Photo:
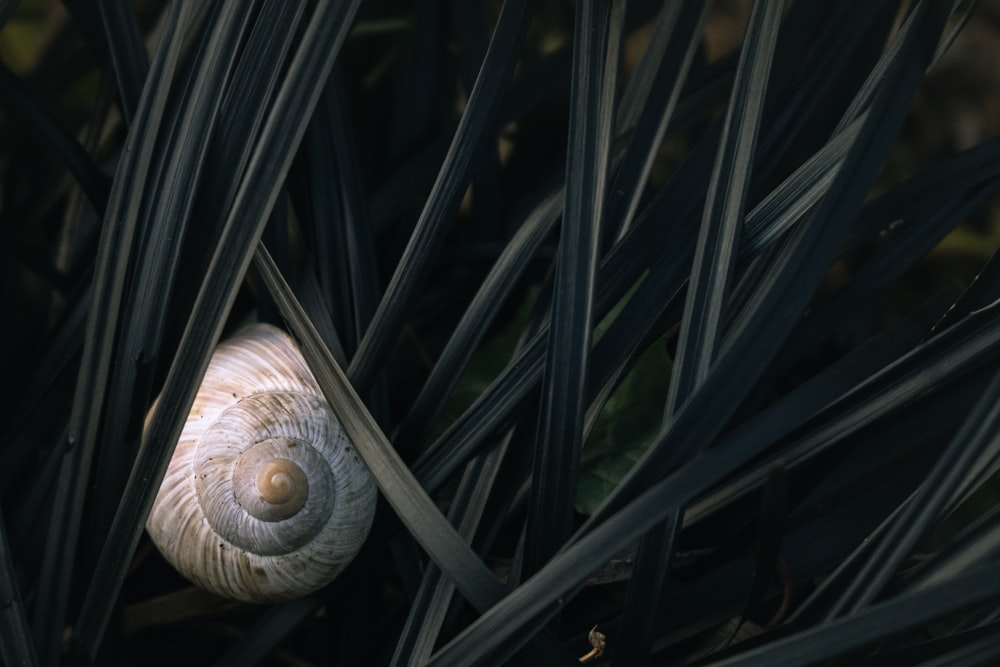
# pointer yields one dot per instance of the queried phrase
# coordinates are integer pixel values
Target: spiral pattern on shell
(265, 498)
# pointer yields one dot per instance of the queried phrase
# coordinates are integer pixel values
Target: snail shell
(265, 498)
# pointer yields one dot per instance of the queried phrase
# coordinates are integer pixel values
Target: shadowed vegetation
(680, 320)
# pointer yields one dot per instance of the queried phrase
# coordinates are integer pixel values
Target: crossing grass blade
(597, 37)
(919, 515)
(426, 524)
(804, 258)
(19, 100)
(470, 330)
(710, 280)
(850, 634)
(17, 647)
(116, 248)
(128, 53)
(477, 121)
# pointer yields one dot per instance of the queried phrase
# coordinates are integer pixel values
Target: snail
(265, 498)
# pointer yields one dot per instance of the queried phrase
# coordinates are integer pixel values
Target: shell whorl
(265, 498)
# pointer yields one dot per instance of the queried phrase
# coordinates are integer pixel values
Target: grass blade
(16, 647)
(709, 284)
(128, 53)
(977, 433)
(19, 100)
(407, 498)
(876, 624)
(112, 266)
(557, 447)
(477, 121)
(789, 286)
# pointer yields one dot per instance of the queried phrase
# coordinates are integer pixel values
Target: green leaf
(627, 425)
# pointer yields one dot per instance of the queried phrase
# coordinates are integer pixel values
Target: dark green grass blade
(326, 221)
(597, 38)
(647, 586)
(977, 433)
(622, 266)
(921, 425)
(635, 96)
(482, 310)
(978, 543)
(419, 91)
(984, 290)
(900, 383)
(716, 249)
(112, 266)
(272, 156)
(477, 123)
(709, 283)
(822, 533)
(480, 478)
(836, 45)
(802, 263)
(319, 314)
(16, 647)
(545, 593)
(782, 418)
(128, 53)
(648, 313)
(874, 625)
(427, 613)
(61, 352)
(764, 224)
(618, 272)
(548, 589)
(19, 100)
(948, 357)
(930, 188)
(464, 437)
(793, 410)
(810, 549)
(470, 23)
(905, 247)
(257, 77)
(350, 280)
(535, 84)
(682, 39)
(913, 226)
(962, 16)
(417, 510)
(363, 279)
(276, 235)
(179, 161)
(984, 651)
(770, 534)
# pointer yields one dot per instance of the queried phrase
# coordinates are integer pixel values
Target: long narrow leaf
(116, 248)
(477, 121)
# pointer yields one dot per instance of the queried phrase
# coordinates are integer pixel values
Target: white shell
(265, 498)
